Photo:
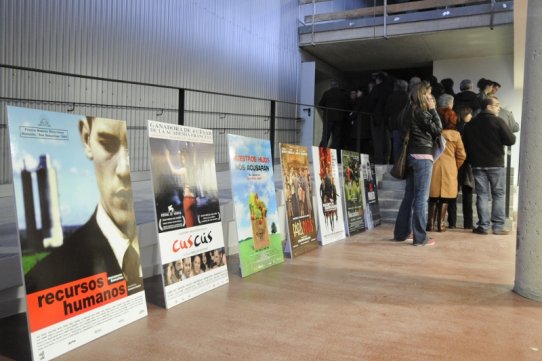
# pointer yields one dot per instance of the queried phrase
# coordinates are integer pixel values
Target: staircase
(390, 195)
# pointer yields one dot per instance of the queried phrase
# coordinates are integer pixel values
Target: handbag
(399, 169)
(465, 175)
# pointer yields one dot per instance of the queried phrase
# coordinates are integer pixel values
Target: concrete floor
(364, 298)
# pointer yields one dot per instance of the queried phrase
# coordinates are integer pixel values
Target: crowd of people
(473, 127)
(187, 267)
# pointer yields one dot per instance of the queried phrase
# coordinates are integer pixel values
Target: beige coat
(444, 178)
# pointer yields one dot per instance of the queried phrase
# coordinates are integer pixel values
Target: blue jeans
(412, 216)
(490, 180)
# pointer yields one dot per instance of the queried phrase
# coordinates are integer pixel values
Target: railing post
(508, 173)
(180, 119)
(272, 129)
(358, 133)
(385, 17)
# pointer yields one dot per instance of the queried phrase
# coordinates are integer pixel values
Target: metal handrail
(389, 9)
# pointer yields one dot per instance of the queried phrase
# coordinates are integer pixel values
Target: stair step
(391, 192)
(388, 176)
(392, 204)
(392, 184)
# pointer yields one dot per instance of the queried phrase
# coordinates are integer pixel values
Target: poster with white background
(188, 218)
(327, 186)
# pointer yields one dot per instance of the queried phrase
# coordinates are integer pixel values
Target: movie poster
(327, 185)
(76, 226)
(372, 209)
(188, 219)
(353, 191)
(254, 198)
(294, 161)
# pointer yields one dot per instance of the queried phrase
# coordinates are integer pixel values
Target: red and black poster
(188, 218)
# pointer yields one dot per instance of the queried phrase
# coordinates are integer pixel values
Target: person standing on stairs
(379, 126)
(444, 186)
(335, 105)
(465, 176)
(485, 138)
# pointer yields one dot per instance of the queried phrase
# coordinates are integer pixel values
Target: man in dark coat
(394, 105)
(336, 104)
(352, 127)
(485, 137)
(466, 97)
(379, 130)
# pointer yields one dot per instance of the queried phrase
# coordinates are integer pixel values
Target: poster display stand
(353, 191)
(254, 198)
(76, 228)
(372, 208)
(329, 195)
(188, 218)
(294, 161)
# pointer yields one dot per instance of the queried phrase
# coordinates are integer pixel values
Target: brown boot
(431, 216)
(441, 219)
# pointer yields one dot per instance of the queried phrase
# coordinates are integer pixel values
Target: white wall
(499, 68)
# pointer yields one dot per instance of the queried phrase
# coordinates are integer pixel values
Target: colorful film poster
(76, 227)
(372, 209)
(294, 161)
(254, 198)
(329, 195)
(353, 191)
(188, 219)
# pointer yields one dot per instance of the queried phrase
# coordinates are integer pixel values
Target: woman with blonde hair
(425, 127)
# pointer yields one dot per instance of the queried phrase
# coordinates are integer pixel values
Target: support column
(180, 119)
(528, 281)
(272, 115)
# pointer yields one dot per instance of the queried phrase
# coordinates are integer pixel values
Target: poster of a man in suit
(76, 223)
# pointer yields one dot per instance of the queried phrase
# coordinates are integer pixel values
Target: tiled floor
(364, 298)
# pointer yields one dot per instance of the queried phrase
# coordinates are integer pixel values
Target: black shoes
(479, 230)
(499, 232)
